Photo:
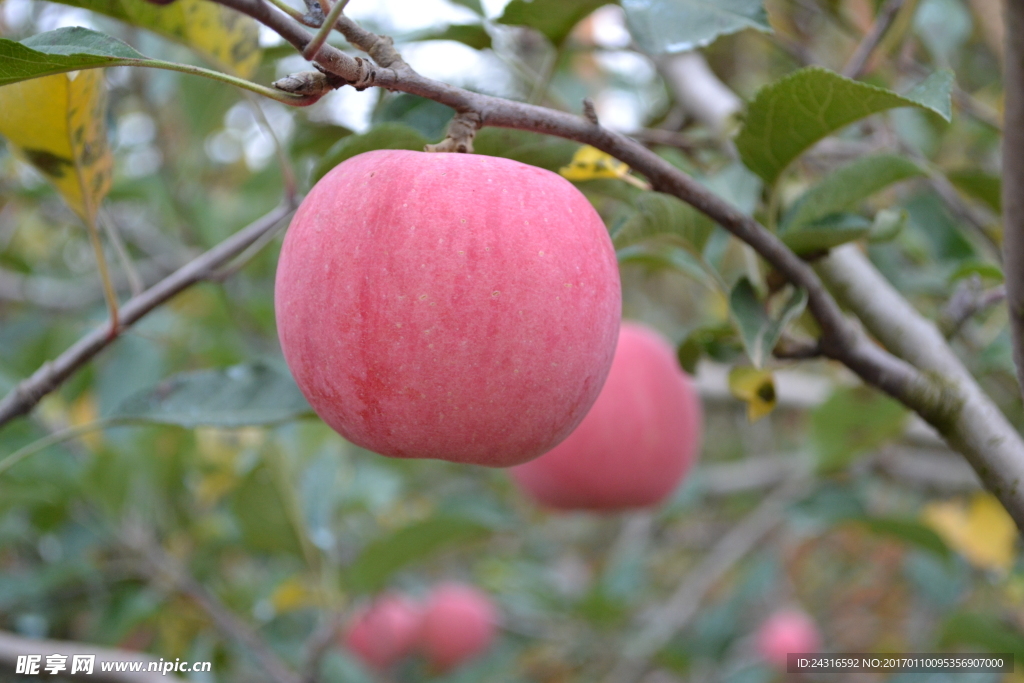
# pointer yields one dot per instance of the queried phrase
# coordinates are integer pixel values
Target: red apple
(384, 632)
(450, 306)
(459, 623)
(636, 443)
(787, 631)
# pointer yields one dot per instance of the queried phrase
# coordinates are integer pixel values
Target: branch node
(461, 132)
(309, 83)
(383, 52)
(315, 14)
(589, 112)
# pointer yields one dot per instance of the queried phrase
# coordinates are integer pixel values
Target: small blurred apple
(459, 623)
(787, 631)
(384, 632)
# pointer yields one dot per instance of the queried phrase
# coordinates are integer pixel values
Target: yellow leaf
(212, 486)
(982, 531)
(756, 387)
(590, 163)
(223, 36)
(83, 412)
(57, 124)
(292, 595)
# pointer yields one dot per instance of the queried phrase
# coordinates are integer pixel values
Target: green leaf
(384, 136)
(223, 36)
(427, 117)
(735, 184)
(670, 26)
(251, 394)
(60, 51)
(554, 18)
(473, 5)
(759, 331)
(848, 186)
(986, 271)
(982, 630)
(262, 516)
(663, 257)
(888, 224)
(985, 187)
(535, 149)
(854, 421)
(791, 114)
(824, 234)
(908, 530)
(662, 214)
(473, 35)
(383, 557)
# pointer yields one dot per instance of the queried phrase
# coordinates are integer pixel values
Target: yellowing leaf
(756, 387)
(57, 124)
(223, 36)
(83, 411)
(292, 595)
(590, 163)
(982, 531)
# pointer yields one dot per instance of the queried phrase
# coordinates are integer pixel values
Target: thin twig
(968, 299)
(321, 35)
(319, 644)
(114, 236)
(662, 625)
(859, 59)
(109, 293)
(288, 180)
(52, 374)
(161, 566)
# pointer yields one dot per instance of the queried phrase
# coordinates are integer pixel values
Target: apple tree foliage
(190, 429)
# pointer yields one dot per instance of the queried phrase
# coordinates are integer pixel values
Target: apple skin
(786, 631)
(384, 632)
(459, 623)
(452, 306)
(635, 445)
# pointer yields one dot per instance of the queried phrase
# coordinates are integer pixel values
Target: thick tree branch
(29, 392)
(970, 421)
(1013, 178)
(12, 646)
(961, 412)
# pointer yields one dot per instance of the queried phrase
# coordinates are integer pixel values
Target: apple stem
(461, 132)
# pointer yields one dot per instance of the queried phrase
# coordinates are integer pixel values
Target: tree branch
(12, 646)
(675, 614)
(51, 375)
(961, 412)
(1013, 178)
(859, 59)
(161, 566)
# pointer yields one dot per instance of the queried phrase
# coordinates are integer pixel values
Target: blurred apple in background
(384, 632)
(459, 623)
(787, 631)
(635, 445)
